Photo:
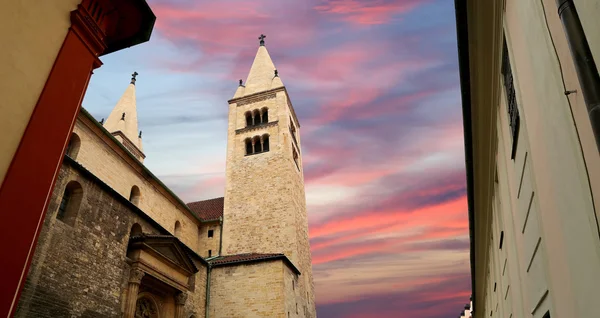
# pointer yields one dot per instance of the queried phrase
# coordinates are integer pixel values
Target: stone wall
(206, 243)
(79, 268)
(99, 154)
(265, 203)
(248, 291)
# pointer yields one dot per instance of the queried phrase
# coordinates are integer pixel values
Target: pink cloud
(366, 11)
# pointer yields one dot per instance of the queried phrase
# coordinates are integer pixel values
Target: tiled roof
(242, 258)
(250, 257)
(208, 209)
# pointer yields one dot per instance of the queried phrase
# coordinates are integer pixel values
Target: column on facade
(135, 279)
(180, 300)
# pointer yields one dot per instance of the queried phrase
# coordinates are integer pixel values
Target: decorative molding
(136, 275)
(181, 298)
(257, 127)
(129, 145)
(88, 31)
(256, 97)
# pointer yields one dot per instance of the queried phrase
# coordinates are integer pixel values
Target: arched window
(264, 116)
(249, 146)
(265, 142)
(248, 119)
(255, 117)
(177, 229)
(134, 195)
(136, 229)
(257, 145)
(69, 205)
(73, 146)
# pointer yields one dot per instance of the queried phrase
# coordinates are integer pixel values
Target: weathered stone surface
(81, 270)
(265, 203)
(247, 291)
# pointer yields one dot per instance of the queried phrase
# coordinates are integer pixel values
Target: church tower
(265, 203)
(122, 122)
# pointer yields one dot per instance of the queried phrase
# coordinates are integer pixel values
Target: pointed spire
(263, 75)
(123, 118)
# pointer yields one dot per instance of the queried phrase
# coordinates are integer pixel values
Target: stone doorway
(146, 308)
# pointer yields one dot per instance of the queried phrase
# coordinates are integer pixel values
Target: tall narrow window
(293, 132)
(73, 146)
(255, 117)
(210, 233)
(295, 156)
(265, 143)
(177, 230)
(209, 253)
(249, 148)
(511, 100)
(264, 116)
(134, 195)
(70, 203)
(257, 144)
(248, 119)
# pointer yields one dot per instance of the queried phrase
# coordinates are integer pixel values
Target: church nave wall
(107, 161)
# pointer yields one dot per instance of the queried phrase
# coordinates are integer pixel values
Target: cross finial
(133, 77)
(262, 39)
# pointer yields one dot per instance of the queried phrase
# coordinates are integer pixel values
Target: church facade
(117, 242)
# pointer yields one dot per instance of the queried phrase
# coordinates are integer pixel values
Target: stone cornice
(479, 34)
(264, 95)
(257, 127)
(129, 145)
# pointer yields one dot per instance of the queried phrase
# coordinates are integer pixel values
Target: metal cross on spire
(262, 39)
(133, 77)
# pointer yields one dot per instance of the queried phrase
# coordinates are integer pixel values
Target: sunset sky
(375, 87)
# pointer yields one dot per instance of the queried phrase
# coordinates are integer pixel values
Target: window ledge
(256, 127)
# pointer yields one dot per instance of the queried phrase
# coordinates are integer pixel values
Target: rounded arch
(136, 229)
(73, 146)
(177, 229)
(255, 117)
(70, 203)
(248, 143)
(135, 195)
(264, 115)
(256, 144)
(146, 306)
(265, 142)
(248, 116)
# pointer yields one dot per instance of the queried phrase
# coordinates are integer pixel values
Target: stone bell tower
(265, 203)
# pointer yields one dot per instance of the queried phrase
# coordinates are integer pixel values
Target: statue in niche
(145, 308)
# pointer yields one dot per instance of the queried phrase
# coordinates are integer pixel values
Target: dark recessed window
(70, 202)
(511, 100)
(257, 144)
(501, 238)
(209, 253)
(210, 233)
